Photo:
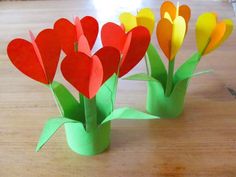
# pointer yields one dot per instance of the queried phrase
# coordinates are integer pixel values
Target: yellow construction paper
(145, 17)
(178, 34)
(204, 27)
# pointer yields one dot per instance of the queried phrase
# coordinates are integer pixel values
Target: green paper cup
(88, 143)
(160, 105)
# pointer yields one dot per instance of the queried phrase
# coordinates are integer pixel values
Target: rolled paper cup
(88, 143)
(160, 105)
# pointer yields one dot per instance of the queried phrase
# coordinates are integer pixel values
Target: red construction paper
(113, 35)
(133, 45)
(83, 45)
(38, 61)
(69, 33)
(110, 58)
(83, 72)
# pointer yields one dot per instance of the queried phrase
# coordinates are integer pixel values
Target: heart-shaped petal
(134, 49)
(110, 58)
(133, 45)
(216, 37)
(113, 35)
(145, 17)
(169, 11)
(205, 25)
(83, 72)
(23, 55)
(178, 34)
(128, 20)
(164, 36)
(168, 7)
(67, 32)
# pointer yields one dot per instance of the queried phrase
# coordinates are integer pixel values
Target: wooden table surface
(200, 143)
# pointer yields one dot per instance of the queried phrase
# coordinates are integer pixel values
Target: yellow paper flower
(211, 33)
(172, 27)
(145, 17)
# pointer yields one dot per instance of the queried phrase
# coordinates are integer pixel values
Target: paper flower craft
(94, 75)
(166, 89)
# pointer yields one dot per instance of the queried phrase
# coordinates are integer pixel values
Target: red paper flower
(87, 72)
(132, 45)
(69, 34)
(37, 59)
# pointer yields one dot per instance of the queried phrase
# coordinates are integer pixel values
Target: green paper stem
(90, 113)
(169, 83)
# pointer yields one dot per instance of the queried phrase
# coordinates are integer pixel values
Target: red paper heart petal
(67, 34)
(49, 48)
(83, 72)
(113, 35)
(90, 28)
(134, 49)
(110, 58)
(83, 45)
(23, 56)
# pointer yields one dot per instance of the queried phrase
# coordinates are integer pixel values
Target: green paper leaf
(140, 77)
(158, 69)
(187, 68)
(50, 128)
(128, 113)
(70, 107)
(105, 98)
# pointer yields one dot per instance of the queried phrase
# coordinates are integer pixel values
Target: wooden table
(201, 143)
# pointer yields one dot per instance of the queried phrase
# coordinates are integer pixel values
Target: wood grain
(201, 143)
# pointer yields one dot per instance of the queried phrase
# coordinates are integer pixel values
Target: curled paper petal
(38, 59)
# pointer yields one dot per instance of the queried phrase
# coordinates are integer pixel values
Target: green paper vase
(88, 143)
(162, 106)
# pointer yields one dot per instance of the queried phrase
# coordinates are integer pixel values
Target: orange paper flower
(211, 33)
(172, 27)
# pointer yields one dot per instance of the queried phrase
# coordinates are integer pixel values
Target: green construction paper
(69, 106)
(158, 69)
(187, 68)
(140, 77)
(90, 110)
(87, 143)
(160, 105)
(128, 113)
(166, 107)
(105, 98)
(51, 126)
